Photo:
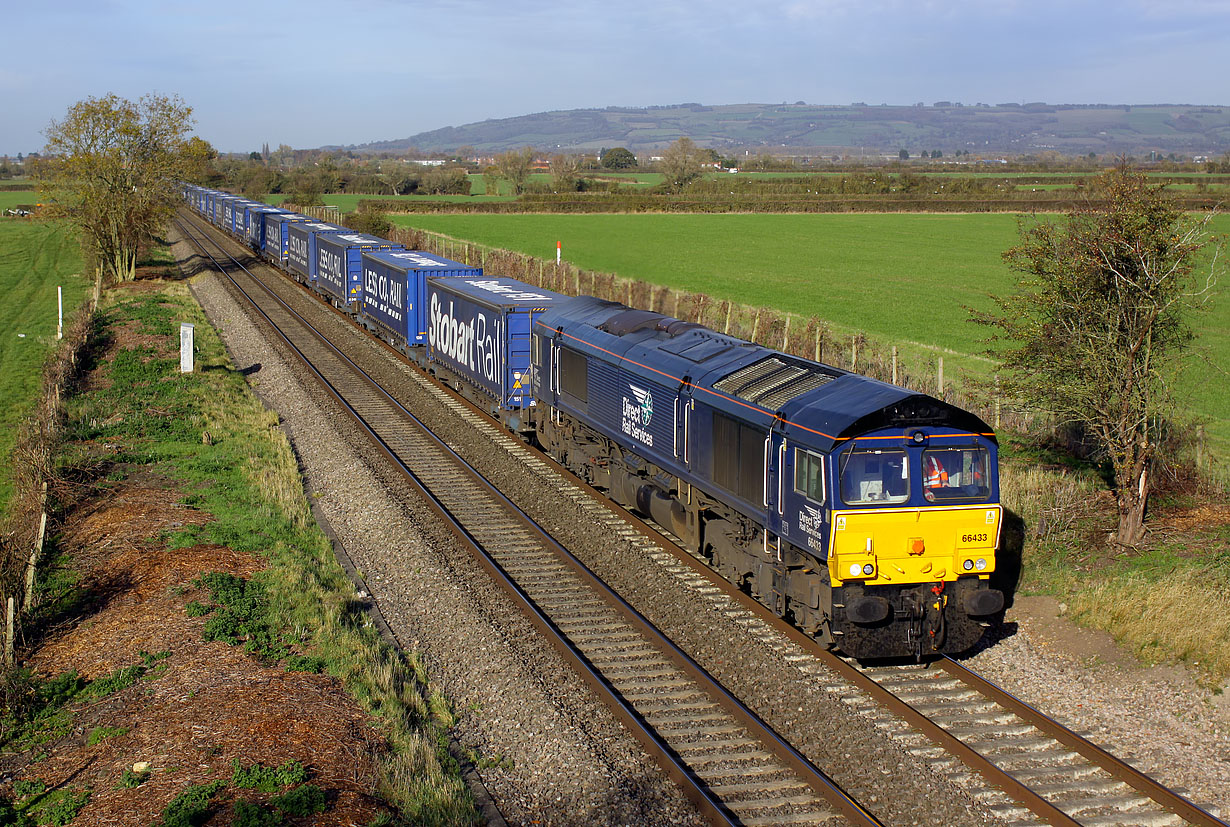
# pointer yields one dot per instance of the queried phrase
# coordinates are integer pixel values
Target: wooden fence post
(853, 352)
(894, 364)
(786, 335)
(940, 379)
(997, 404)
(28, 598)
(10, 631)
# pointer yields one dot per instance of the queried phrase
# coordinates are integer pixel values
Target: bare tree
(114, 171)
(1093, 333)
(514, 167)
(564, 171)
(681, 163)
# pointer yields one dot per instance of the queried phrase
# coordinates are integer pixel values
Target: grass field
(903, 279)
(35, 257)
(8, 200)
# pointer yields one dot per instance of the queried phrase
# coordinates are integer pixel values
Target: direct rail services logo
(637, 415)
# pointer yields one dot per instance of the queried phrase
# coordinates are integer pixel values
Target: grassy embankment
(35, 258)
(905, 279)
(211, 441)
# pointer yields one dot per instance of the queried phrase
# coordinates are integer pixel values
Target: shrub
(192, 807)
(131, 780)
(301, 801)
(250, 814)
(267, 779)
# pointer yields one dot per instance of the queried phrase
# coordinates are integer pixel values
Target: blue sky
(309, 73)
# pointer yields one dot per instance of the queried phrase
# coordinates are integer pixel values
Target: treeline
(730, 202)
(305, 185)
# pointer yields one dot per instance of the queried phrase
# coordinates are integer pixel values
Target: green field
(8, 200)
(35, 257)
(903, 279)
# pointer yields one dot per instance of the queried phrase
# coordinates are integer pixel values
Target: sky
(309, 73)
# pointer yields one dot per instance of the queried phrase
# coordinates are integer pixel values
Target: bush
(267, 779)
(192, 807)
(249, 814)
(372, 223)
(301, 801)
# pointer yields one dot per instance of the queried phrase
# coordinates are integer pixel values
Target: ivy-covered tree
(113, 169)
(618, 158)
(1094, 331)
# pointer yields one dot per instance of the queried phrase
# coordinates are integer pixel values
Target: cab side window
(809, 475)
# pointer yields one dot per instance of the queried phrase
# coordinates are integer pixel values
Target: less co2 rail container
(339, 272)
(277, 237)
(257, 226)
(395, 292)
(301, 247)
(478, 329)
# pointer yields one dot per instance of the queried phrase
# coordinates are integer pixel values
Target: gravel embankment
(546, 751)
(553, 756)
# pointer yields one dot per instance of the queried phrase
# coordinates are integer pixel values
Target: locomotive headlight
(981, 564)
(855, 569)
(869, 569)
(918, 437)
(968, 565)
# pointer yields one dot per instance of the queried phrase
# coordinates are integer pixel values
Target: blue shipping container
(480, 328)
(395, 290)
(256, 225)
(224, 212)
(277, 239)
(301, 246)
(338, 267)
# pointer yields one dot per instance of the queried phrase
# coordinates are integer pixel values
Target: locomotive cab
(912, 539)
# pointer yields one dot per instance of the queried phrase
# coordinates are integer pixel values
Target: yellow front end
(913, 545)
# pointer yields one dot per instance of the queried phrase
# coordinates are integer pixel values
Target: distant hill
(981, 129)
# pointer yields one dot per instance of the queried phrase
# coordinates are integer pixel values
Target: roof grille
(772, 383)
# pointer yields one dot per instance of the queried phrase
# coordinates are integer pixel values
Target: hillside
(858, 128)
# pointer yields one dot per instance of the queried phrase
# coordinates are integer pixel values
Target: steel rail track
(731, 765)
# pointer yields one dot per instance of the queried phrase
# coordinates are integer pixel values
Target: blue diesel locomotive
(866, 514)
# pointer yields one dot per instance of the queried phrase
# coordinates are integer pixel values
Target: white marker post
(60, 318)
(186, 333)
(559, 246)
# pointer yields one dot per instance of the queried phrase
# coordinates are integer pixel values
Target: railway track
(1028, 769)
(733, 767)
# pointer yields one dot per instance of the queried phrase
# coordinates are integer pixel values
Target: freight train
(864, 513)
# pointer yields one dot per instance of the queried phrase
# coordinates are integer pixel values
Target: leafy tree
(1093, 333)
(514, 167)
(904, 154)
(114, 170)
(681, 163)
(618, 158)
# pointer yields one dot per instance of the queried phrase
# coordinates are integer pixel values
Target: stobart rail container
(478, 332)
(338, 267)
(395, 292)
(301, 247)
